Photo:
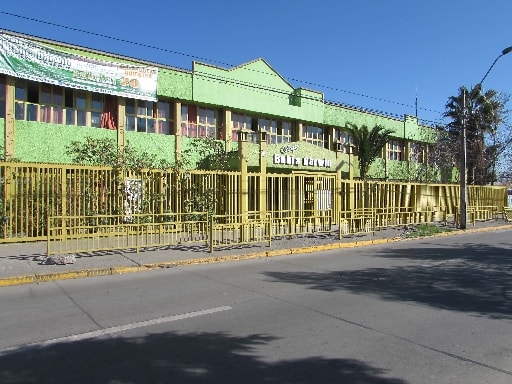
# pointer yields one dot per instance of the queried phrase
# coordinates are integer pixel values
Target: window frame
(315, 135)
(50, 103)
(278, 131)
(395, 150)
(343, 140)
(199, 121)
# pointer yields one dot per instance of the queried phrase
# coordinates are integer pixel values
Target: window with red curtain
(109, 115)
(189, 120)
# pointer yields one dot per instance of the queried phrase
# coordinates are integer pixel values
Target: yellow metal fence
(84, 234)
(31, 194)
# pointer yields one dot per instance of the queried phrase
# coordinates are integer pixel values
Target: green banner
(30, 60)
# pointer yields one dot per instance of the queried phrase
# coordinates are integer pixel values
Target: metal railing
(366, 220)
(84, 234)
(479, 213)
(226, 230)
(287, 223)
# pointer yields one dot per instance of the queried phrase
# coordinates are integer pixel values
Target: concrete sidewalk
(24, 263)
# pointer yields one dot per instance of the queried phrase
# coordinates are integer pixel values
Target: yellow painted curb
(121, 270)
(17, 280)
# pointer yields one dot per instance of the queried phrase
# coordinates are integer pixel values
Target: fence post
(48, 237)
(137, 230)
(210, 231)
(269, 219)
(63, 191)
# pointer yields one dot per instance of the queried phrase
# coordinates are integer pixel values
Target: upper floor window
(50, 103)
(149, 116)
(314, 135)
(418, 152)
(395, 150)
(198, 121)
(76, 107)
(342, 140)
(3, 96)
(240, 122)
(277, 131)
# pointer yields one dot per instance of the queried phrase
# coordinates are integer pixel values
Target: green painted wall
(257, 88)
(339, 116)
(161, 146)
(174, 84)
(46, 143)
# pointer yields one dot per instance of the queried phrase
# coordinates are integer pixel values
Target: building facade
(52, 94)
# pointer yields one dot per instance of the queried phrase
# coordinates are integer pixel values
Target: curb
(41, 278)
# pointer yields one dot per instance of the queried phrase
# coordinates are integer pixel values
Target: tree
(105, 152)
(211, 154)
(369, 144)
(484, 114)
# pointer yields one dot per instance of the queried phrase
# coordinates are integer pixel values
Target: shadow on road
(466, 277)
(176, 358)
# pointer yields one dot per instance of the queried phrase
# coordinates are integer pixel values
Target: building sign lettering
(306, 161)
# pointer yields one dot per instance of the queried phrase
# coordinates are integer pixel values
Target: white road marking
(111, 330)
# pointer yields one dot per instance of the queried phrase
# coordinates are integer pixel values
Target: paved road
(425, 311)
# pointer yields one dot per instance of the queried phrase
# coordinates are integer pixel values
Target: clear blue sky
(377, 54)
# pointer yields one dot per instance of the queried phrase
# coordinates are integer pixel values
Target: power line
(195, 57)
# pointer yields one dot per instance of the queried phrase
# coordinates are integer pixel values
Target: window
(395, 150)
(277, 131)
(198, 121)
(76, 107)
(343, 140)
(148, 116)
(97, 103)
(239, 122)
(207, 123)
(49, 103)
(52, 104)
(314, 135)
(3, 97)
(418, 152)
(26, 94)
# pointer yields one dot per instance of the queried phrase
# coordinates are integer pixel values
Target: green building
(53, 93)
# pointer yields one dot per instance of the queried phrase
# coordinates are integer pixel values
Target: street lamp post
(463, 149)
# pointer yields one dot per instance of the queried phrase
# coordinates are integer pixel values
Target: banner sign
(30, 60)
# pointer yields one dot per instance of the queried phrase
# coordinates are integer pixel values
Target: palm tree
(483, 113)
(369, 144)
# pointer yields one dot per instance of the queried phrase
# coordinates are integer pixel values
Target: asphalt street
(433, 310)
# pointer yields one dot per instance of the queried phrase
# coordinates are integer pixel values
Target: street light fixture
(463, 166)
